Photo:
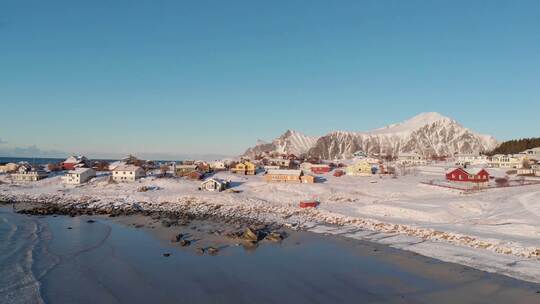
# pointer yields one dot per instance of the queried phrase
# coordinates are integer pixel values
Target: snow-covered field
(497, 230)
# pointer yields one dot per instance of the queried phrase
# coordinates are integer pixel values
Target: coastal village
(469, 170)
(428, 205)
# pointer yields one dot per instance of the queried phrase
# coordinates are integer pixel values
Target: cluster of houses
(521, 160)
(525, 163)
(275, 168)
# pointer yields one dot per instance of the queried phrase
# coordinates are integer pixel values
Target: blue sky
(211, 77)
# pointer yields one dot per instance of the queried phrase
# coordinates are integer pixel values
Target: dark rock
(274, 237)
(177, 238)
(251, 235)
(166, 255)
(69, 228)
(200, 251)
(212, 250)
(90, 221)
(185, 243)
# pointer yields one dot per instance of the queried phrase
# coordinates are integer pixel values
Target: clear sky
(211, 77)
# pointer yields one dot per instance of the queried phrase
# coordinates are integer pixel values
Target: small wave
(18, 284)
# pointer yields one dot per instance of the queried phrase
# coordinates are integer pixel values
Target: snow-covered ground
(497, 230)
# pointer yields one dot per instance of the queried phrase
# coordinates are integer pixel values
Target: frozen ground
(496, 230)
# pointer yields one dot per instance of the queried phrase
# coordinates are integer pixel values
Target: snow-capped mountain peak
(289, 142)
(414, 123)
(428, 134)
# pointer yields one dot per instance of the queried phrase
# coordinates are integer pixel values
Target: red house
(195, 175)
(73, 162)
(468, 175)
(339, 173)
(320, 169)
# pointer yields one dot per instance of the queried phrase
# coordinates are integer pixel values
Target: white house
(471, 159)
(283, 163)
(218, 165)
(127, 173)
(411, 159)
(26, 173)
(532, 153)
(214, 184)
(78, 176)
(505, 161)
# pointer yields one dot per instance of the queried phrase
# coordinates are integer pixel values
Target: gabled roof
(127, 168)
(75, 159)
(216, 180)
(285, 172)
(475, 171)
(79, 170)
(471, 171)
(319, 166)
(186, 167)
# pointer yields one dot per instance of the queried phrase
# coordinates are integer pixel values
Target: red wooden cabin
(468, 175)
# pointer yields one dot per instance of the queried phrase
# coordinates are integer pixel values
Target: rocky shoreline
(247, 232)
(252, 213)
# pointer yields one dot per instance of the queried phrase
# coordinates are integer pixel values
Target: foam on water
(20, 238)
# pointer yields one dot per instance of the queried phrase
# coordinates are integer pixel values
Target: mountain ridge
(429, 134)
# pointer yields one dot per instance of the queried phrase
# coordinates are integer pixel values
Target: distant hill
(516, 145)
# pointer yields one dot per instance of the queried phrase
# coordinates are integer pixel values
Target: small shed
(214, 184)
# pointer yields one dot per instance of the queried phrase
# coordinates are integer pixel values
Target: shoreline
(144, 254)
(231, 207)
(261, 214)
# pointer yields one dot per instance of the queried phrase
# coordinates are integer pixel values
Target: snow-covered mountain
(427, 134)
(290, 142)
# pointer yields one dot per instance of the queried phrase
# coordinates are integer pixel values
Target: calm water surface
(42, 261)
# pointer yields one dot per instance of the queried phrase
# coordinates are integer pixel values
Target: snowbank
(496, 230)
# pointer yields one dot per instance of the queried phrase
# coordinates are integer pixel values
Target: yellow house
(360, 168)
(245, 167)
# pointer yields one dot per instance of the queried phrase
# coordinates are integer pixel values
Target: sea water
(46, 259)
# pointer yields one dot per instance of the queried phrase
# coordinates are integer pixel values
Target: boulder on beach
(212, 250)
(251, 235)
(274, 237)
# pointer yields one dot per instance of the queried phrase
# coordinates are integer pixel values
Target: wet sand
(111, 261)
